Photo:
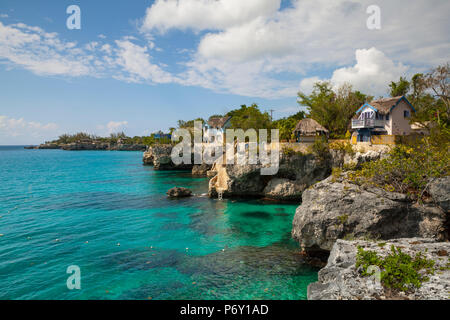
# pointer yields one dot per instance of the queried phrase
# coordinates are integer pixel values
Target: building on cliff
(388, 116)
(216, 126)
(307, 130)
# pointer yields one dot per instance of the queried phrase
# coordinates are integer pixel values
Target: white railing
(367, 123)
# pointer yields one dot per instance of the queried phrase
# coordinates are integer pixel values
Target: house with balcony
(388, 116)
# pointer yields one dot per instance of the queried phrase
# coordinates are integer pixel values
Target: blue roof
(366, 105)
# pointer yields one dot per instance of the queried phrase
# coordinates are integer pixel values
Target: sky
(139, 66)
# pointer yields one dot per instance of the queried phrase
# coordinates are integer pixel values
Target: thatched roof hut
(218, 122)
(309, 127)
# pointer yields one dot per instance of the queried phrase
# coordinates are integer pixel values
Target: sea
(98, 225)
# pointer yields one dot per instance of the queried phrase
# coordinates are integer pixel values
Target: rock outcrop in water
(336, 209)
(340, 280)
(148, 157)
(296, 173)
(179, 192)
(162, 159)
(93, 146)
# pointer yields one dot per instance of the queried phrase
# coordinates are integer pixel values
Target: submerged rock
(340, 280)
(336, 209)
(178, 192)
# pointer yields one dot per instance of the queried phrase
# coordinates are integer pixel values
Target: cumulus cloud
(24, 131)
(135, 60)
(205, 14)
(44, 53)
(319, 34)
(251, 48)
(41, 52)
(112, 127)
(371, 73)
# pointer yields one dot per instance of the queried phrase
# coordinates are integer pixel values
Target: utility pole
(271, 115)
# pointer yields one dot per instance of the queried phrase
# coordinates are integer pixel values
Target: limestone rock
(440, 191)
(333, 210)
(340, 280)
(295, 174)
(201, 170)
(178, 192)
(283, 189)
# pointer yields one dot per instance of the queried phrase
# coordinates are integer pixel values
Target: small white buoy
(223, 250)
(118, 244)
(1, 234)
(187, 249)
(87, 242)
(56, 240)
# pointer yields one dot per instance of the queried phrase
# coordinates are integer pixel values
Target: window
(387, 117)
(406, 114)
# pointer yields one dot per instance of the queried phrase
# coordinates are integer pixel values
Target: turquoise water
(62, 208)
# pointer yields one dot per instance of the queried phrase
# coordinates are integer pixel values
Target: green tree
(399, 88)
(250, 118)
(189, 124)
(333, 108)
(287, 125)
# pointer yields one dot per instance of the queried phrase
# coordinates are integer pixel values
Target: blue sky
(139, 66)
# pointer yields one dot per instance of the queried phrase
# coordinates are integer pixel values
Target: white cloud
(22, 131)
(251, 47)
(205, 14)
(307, 84)
(3, 15)
(40, 52)
(116, 126)
(318, 34)
(372, 72)
(135, 60)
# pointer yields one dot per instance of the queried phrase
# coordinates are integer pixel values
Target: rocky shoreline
(84, 146)
(341, 280)
(336, 216)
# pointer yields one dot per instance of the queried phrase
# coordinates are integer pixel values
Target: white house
(388, 116)
(216, 126)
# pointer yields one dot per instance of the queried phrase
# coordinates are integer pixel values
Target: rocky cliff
(337, 209)
(160, 157)
(296, 173)
(341, 280)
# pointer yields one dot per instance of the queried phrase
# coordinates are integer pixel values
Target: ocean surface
(108, 214)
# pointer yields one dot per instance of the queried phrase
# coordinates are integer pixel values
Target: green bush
(343, 146)
(320, 148)
(399, 271)
(409, 167)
